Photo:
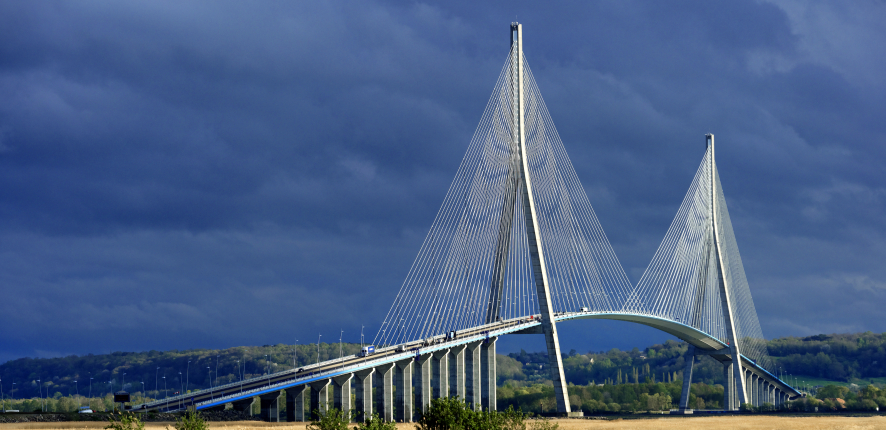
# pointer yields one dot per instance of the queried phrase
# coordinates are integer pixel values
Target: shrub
(191, 420)
(333, 419)
(449, 413)
(452, 413)
(868, 405)
(125, 421)
(375, 422)
(544, 424)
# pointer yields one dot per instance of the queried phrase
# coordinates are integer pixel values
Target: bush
(544, 424)
(191, 420)
(333, 419)
(451, 413)
(125, 421)
(375, 422)
(868, 405)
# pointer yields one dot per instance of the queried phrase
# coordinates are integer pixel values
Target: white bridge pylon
(696, 278)
(516, 234)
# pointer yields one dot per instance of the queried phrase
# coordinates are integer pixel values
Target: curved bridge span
(516, 248)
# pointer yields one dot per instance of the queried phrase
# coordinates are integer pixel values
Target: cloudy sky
(178, 175)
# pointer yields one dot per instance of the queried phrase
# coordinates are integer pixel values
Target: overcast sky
(178, 175)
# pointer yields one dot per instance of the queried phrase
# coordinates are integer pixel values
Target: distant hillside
(834, 357)
(109, 372)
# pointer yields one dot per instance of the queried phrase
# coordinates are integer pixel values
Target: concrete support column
(728, 388)
(748, 386)
(687, 379)
(440, 377)
(270, 406)
(295, 403)
(342, 395)
(457, 372)
(761, 390)
(473, 381)
(490, 374)
(363, 394)
(248, 405)
(319, 397)
(423, 365)
(384, 391)
(403, 380)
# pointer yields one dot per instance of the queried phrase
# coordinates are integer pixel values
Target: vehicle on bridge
(367, 351)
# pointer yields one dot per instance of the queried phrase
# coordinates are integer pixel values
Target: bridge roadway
(267, 384)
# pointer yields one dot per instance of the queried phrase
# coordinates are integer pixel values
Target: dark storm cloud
(182, 175)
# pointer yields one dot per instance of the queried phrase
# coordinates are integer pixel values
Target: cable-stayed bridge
(517, 249)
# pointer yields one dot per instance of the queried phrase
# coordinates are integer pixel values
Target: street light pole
(77, 387)
(156, 386)
(188, 377)
(209, 372)
(318, 348)
(165, 393)
(240, 375)
(216, 370)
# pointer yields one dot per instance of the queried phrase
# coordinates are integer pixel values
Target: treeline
(836, 356)
(596, 398)
(832, 356)
(163, 373)
(657, 363)
(63, 404)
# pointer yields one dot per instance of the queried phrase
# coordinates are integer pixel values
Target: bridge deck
(246, 389)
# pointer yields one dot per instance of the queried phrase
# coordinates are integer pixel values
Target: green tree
(191, 420)
(125, 421)
(332, 419)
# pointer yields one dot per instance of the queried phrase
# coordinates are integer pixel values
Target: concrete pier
(342, 395)
(384, 391)
(270, 406)
(363, 394)
(295, 403)
(473, 381)
(319, 397)
(489, 375)
(440, 376)
(457, 372)
(403, 381)
(423, 383)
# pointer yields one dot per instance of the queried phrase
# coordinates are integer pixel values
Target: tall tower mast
(536, 251)
(726, 302)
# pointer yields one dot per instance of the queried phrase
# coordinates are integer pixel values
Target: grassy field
(676, 423)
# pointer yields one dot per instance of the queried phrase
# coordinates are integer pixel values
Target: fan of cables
(474, 266)
(682, 283)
